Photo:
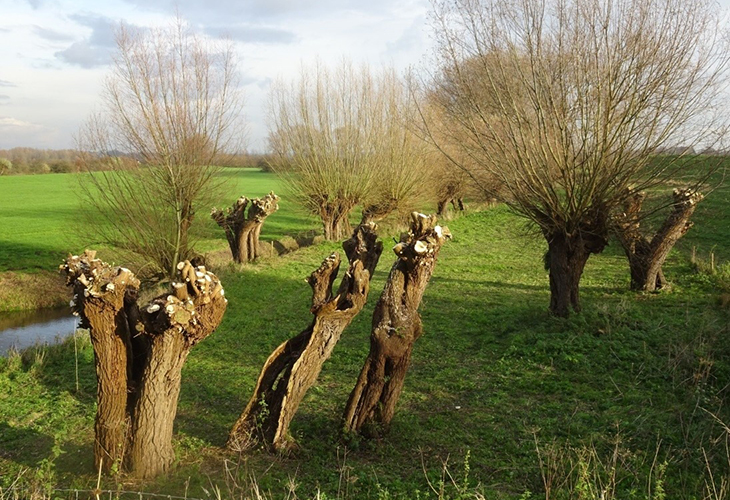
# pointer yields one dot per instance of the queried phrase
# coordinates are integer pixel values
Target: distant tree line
(22, 160)
(37, 161)
(245, 160)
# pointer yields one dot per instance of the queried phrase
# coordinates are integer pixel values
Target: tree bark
(294, 366)
(139, 356)
(335, 219)
(647, 255)
(396, 327)
(566, 259)
(99, 293)
(457, 203)
(243, 229)
(443, 204)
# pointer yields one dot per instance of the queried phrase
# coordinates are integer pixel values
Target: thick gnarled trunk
(396, 327)
(566, 259)
(99, 299)
(244, 228)
(335, 219)
(151, 451)
(139, 356)
(294, 366)
(647, 255)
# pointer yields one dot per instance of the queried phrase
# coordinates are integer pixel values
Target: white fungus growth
(420, 247)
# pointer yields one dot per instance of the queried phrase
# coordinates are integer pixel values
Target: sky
(56, 53)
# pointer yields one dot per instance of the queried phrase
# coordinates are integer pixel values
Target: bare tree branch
(568, 102)
(170, 104)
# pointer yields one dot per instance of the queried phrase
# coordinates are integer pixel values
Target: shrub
(5, 166)
(40, 168)
(62, 167)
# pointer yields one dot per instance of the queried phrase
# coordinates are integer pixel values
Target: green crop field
(514, 402)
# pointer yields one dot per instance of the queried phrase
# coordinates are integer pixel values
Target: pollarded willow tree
(339, 139)
(647, 252)
(293, 367)
(451, 175)
(569, 102)
(5, 166)
(243, 227)
(170, 102)
(139, 353)
(396, 327)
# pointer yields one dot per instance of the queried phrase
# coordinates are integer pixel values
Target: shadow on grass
(75, 457)
(23, 445)
(23, 257)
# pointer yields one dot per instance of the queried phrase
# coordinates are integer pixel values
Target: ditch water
(22, 329)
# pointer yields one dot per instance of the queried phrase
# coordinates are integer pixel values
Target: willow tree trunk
(647, 255)
(294, 366)
(335, 219)
(449, 192)
(139, 355)
(566, 259)
(396, 327)
(443, 204)
(243, 229)
(99, 293)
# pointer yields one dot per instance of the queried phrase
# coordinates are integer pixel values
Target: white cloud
(52, 35)
(261, 10)
(7, 123)
(96, 49)
(55, 52)
(252, 34)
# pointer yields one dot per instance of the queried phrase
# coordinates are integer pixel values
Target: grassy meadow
(42, 216)
(43, 220)
(502, 400)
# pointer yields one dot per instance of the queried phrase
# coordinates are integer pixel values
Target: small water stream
(23, 329)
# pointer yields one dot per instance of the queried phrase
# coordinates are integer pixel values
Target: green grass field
(634, 387)
(42, 217)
